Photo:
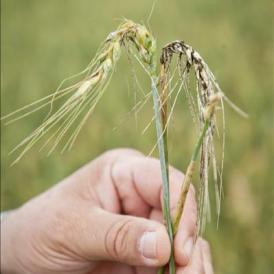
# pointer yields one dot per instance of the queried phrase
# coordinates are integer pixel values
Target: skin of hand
(105, 218)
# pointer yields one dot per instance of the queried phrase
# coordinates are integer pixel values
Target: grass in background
(45, 41)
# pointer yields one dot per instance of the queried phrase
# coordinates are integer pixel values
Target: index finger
(141, 176)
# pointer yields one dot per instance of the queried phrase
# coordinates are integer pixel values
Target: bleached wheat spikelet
(86, 92)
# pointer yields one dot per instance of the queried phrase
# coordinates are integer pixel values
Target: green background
(43, 42)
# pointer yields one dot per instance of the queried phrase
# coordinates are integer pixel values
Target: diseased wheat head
(203, 107)
(81, 98)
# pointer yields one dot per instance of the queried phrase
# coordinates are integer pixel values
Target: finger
(156, 215)
(184, 239)
(126, 239)
(196, 263)
(141, 177)
(207, 261)
(95, 183)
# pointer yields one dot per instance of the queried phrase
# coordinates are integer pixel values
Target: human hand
(104, 218)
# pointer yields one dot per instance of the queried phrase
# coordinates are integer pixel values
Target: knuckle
(116, 240)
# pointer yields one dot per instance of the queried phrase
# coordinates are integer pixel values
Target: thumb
(127, 239)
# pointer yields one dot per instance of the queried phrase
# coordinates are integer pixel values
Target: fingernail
(188, 246)
(148, 245)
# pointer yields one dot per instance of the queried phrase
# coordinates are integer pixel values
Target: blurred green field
(43, 42)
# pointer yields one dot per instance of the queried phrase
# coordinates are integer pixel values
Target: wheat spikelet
(86, 93)
(208, 95)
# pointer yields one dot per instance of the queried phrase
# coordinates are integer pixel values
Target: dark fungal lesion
(207, 88)
(192, 59)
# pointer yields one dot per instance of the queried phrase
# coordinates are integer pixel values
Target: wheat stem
(208, 114)
(164, 168)
(187, 178)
